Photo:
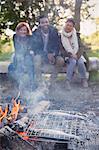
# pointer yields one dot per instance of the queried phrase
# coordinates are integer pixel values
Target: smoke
(33, 87)
(42, 90)
(41, 93)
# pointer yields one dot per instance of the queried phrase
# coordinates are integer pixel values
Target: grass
(94, 76)
(93, 53)
(6, 50)
(5, 56)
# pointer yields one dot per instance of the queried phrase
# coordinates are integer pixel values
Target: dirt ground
(76, 99)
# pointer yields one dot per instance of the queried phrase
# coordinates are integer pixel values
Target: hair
(41, 17)
(24, 24)
(71, 20)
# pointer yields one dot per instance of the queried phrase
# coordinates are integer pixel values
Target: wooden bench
(93, 65)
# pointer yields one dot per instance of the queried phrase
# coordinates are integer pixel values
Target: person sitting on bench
(69, 42)
(22, 67)
(46, 47)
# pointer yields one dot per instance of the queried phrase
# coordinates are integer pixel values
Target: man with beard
(46, 44)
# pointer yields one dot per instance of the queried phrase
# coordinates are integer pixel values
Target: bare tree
(77, 14)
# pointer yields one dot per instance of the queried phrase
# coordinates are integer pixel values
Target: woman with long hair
(23, 60)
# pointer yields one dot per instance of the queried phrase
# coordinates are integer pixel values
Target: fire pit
(75, 129)
(44, 129)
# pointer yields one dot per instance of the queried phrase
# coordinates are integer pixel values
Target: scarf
(70, 41)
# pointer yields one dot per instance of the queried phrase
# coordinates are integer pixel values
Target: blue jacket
(52, 45)
(23, 58)
(23, 61)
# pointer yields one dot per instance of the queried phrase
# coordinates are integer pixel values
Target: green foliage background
(14, 11)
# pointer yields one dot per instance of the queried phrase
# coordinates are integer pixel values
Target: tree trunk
(77, 15)
(46, 9)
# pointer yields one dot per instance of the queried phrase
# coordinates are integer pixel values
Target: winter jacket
(23, 61)
(52, 45)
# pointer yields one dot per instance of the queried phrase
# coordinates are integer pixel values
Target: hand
(51, 58)
(69, 54)
(74, 56)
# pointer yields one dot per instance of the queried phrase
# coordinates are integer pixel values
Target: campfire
(71, 130)
(8, 115)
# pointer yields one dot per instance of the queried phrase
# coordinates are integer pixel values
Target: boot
(84, 83)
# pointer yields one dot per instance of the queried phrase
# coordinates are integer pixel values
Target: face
(44, 24)
(22, 31)
(69, 27)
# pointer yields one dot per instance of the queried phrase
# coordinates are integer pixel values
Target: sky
(88, 26)
(96, 9)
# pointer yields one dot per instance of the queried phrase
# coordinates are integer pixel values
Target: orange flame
(15, 110)
(1, 111)
(14, 113)
(3, 114)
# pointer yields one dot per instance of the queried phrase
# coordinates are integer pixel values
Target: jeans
(72, 63)
(40, 65)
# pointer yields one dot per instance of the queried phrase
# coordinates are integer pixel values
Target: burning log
(12, 141)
